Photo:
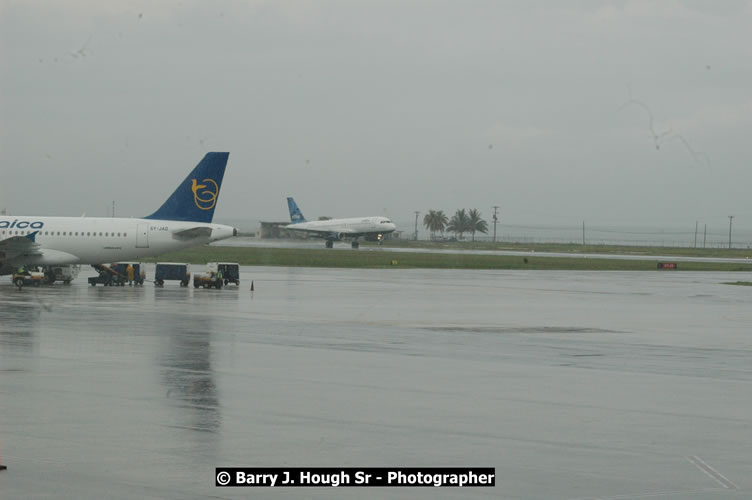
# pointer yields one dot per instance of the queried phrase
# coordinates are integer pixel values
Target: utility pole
(113, 209)
(705, 236)
(731, 217)
(696, 223)
(416, 224)
(496, 220)
(583, 233)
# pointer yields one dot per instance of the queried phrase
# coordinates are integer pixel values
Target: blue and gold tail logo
(195, 198)
(205, 194)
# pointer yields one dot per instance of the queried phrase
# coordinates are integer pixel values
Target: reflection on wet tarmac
(18, 315)
(186, 369)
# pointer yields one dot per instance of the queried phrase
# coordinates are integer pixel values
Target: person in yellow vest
(130, 271)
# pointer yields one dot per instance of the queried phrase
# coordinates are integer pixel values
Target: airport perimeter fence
(741, 238)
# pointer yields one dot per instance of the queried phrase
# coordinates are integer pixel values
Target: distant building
(277, 230)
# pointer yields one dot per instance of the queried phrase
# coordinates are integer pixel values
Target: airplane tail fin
(295, 214)
(195, 198)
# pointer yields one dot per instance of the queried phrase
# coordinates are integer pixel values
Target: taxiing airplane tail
(195, 198)
(295, 214)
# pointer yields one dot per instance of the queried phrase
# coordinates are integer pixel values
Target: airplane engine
(341, 236)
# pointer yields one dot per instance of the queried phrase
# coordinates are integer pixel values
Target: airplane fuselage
(346, 228)
(97, 240)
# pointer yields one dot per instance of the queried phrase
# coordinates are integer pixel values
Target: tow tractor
(210, 280)
(229, 271)
(218, 274)
(25, 278)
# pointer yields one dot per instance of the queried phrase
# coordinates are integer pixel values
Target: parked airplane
(370, 228)
(183, 221)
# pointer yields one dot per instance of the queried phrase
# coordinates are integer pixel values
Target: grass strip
(306, 257)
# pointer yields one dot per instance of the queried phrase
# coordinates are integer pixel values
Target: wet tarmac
(572, 384)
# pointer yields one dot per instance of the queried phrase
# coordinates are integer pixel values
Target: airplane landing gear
(355, 244)
(329, 244)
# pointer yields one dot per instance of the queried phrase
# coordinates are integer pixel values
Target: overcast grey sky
(382, 107)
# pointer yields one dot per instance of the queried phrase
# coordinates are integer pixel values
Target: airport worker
(130, 272)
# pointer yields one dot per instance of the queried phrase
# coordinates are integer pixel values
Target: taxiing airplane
(370, 228)
(183, 221)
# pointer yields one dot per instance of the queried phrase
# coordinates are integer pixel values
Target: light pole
(416, 224)
(731, 217)
(697, 224)
(496, 220)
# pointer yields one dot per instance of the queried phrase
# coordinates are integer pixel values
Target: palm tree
(476, 222)
(458, 224)
(429, 220)
(435, 220)
(441, 221)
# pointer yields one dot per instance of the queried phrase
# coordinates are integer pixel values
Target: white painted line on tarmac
(651, 494)
(711, 472)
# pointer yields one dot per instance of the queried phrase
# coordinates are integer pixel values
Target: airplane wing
(191, 233)
(20, 245)
(325, 233)
(322, 232)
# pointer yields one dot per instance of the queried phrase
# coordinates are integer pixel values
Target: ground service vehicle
(107, 276)
(210, 280)
(172, 271)
(66, 273)
(28, 278)
(139, 275)
(229, 272)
